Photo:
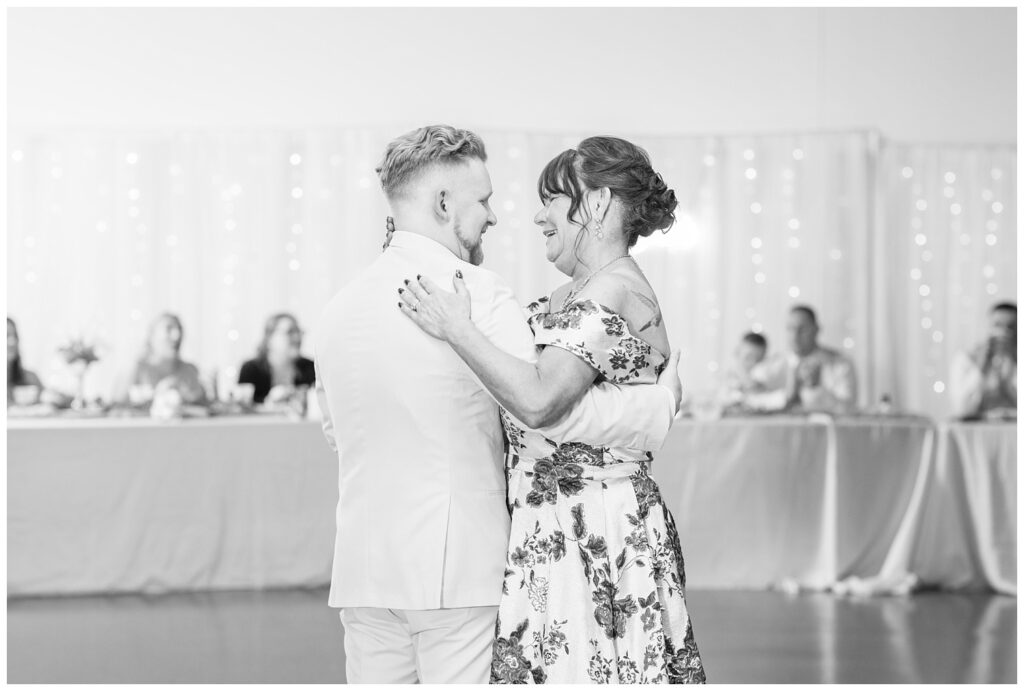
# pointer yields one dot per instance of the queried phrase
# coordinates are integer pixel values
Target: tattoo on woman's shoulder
(651, 305)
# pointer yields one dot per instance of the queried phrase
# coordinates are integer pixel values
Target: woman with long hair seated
(279, 372)
(161, 368)
(18, 376)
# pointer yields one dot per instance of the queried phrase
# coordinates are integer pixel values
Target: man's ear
(442, 201)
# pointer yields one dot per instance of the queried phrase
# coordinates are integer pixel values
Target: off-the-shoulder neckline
(609, 310)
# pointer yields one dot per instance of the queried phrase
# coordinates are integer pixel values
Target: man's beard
(476, 251)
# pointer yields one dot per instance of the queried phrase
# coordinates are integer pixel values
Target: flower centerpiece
(78, 353)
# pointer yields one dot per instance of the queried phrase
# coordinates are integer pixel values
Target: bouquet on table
(78, 353)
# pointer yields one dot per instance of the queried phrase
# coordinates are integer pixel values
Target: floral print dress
(594, 582)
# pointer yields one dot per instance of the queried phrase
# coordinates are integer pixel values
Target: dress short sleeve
(601, 338)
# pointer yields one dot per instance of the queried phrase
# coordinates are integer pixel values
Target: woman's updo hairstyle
(622, 167)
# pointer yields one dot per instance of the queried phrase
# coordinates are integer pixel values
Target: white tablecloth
(134, 505)
(961, 527)
(764, 501)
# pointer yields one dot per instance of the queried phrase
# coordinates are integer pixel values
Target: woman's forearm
(519, 386)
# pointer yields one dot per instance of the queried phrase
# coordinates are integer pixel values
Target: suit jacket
(422, 521)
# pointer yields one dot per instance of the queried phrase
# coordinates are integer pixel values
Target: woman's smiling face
(560, 233)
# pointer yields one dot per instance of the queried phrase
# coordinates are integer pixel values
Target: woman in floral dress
(594, 580)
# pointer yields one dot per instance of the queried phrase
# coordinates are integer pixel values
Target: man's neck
(431, 231)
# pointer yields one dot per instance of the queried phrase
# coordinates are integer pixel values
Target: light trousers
(428, 646)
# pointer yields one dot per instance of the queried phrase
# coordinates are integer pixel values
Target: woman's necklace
(571, 295)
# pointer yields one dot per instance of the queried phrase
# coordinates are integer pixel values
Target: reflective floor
(292, 636)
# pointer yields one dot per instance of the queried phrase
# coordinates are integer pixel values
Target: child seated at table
(744, 385)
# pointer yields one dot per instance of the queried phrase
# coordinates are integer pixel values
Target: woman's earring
(597, 230)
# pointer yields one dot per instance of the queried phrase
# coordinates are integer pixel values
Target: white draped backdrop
(901, 248)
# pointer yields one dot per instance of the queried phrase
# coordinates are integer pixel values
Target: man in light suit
(422, 524)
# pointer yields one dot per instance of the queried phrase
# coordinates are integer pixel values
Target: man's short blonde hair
(407, 155)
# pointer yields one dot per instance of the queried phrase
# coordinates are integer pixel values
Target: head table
(134, 505)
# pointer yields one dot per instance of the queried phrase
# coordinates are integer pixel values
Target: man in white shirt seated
(983, 380)
(810, 377)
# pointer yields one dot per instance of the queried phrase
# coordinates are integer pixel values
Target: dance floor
(292, 636)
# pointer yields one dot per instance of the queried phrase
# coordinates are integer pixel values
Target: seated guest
(744, 383)
(279, 372)
(161, 368)
(18, 376)
(983, 380)
(811, 377)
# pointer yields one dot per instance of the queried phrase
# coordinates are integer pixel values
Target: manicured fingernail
(407, 281)
(401, 290)
(458, 273)
(418, 277)
(399, 305)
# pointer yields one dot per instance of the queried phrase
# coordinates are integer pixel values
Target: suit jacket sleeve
(325, 413)
(635, 416)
